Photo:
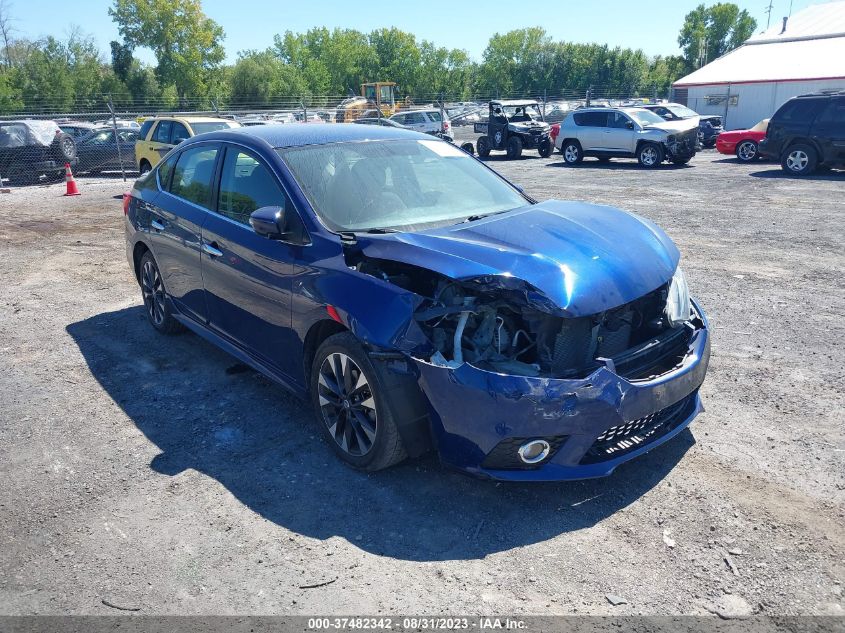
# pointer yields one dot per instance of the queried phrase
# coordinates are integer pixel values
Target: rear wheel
(514, 147)
(572, 153)
(482, 145)
(800, 160)
(356, 418)
(746, 152)
(155, 297)
(650, 155)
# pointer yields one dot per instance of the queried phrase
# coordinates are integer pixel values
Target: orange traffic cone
(70, 182)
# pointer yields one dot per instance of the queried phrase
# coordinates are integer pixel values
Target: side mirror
(630, 125)
(268, 222)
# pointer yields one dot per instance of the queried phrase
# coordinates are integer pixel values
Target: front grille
(624, 438)
(504, 455)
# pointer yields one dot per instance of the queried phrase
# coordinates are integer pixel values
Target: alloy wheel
(570, 154)
(347, 404)
(152, 290)
(747, 151)
(649, 156)
(797, 160)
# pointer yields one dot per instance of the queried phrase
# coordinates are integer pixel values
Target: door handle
(157, 225)
(211, 249)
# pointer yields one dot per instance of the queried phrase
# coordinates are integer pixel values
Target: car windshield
(645, 117)
(212, 126)
(682, 111)
(522, 113)
(404, 185)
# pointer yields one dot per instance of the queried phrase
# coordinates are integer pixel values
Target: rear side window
(193, 174)
(591, 119)
(162, 132)
(145, 129)
(435, 116)
(799, 110)
(412, 118)
(246, 185)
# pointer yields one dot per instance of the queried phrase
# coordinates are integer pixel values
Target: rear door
(175, 224)
(247, 276)
(591, 126)
(829, 131)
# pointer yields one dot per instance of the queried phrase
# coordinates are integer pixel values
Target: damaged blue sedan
(420, 301)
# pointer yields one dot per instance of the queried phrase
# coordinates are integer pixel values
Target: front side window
(180, 133)
(405, 185)
(193, 174)
(105, 137)
(162, 132)
(246, 185)
(165, 169)
(617, 120)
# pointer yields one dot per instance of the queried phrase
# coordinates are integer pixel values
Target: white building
(804, 54)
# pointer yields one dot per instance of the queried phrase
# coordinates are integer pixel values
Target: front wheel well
(137, 254)
(318, 332)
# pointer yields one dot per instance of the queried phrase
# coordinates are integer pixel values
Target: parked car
(606, 133)
(513, 126)
(709, 127)
(159, 135)
(422, 301)
(807, 132)
(99, 152)
(284, 117)
(556, 112)
(743, 143)
(430, 121)
(78, 129)
(384, 121)
(30, 149)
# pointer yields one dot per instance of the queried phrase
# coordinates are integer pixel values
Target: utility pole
(110, 104)
(769, 13)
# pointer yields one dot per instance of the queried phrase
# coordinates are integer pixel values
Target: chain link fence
(98, 136)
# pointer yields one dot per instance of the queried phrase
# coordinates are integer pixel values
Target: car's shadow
(206, 412)
(832, 175)
(502, 158)
(617, 165)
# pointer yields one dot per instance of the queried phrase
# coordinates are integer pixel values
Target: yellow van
(161, 134)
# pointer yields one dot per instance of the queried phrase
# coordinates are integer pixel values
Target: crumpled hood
(674, 127)
(584, 258)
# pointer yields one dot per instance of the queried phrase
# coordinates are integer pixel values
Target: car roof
(317, 134)
(189, 119)
(515, 102)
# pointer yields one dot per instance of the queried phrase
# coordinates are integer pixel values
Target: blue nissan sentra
(421, 301)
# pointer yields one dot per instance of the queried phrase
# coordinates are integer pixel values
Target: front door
(619, 134)
(829, 131)
(175, 224)
(248, 277)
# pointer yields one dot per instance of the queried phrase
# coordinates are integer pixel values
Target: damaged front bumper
(480, 419)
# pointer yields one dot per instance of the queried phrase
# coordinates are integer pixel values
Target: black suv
(30, 149)
(807, 132)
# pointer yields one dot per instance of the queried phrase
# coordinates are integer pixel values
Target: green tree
(121, 59)
(710, 32)
(260, 78)
(187, 44)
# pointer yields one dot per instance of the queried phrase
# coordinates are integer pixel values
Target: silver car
(606, 133)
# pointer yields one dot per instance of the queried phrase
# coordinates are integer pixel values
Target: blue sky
(649, 25)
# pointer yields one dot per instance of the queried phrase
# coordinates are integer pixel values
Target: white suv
(429, 121)
(607, 133)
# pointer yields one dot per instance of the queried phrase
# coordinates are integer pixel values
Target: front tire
(545, 149)
(800, 160)
(650, 155)
(482, 146)
(156, 305)
(572, 154)
(747, 152)
(355, 416)
(514, 147)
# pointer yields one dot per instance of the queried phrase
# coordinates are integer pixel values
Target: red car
(743, 143)
(554, 131)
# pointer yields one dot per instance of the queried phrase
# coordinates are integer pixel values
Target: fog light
(534, 452)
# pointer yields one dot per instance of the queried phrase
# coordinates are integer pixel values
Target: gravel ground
(154, 473)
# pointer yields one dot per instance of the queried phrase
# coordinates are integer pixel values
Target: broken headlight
(678, 302)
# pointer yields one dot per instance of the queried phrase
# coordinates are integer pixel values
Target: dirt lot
(153, 473)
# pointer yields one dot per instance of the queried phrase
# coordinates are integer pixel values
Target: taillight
(126, 198)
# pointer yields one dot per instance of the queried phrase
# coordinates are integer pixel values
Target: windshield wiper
(378, 230)
(480, 216)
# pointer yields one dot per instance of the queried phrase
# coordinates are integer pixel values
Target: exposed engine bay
(504, 325)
